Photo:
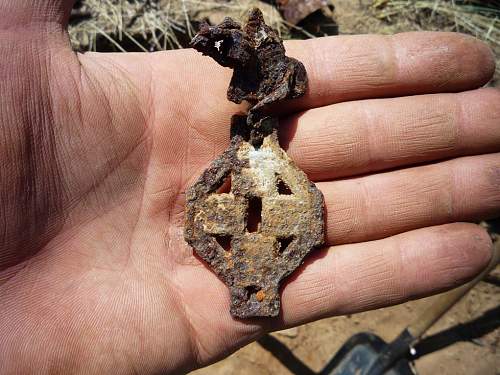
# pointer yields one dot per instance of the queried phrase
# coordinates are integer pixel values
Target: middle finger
(357, 137)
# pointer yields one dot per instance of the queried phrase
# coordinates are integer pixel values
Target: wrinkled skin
(96, 152)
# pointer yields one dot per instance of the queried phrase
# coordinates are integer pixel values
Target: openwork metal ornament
(260, 231)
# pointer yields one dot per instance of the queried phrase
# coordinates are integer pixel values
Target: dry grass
(151, 25)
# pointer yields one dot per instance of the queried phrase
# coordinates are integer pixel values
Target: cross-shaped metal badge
(258, 232)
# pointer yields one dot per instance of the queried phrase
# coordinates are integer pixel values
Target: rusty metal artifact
(259, 232)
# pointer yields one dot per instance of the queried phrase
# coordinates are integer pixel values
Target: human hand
(97, 150)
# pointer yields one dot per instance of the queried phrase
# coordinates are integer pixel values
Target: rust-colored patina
(260, 231)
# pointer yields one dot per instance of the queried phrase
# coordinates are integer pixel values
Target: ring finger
(354, 138)
(384, 204)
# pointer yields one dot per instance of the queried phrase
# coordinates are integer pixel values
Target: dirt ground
(473, 340)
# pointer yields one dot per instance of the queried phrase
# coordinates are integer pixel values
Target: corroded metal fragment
(263, 74)
(258, 232)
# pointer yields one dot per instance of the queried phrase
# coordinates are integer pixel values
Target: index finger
(344, 68)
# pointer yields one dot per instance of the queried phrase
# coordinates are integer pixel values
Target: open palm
(97, 151)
